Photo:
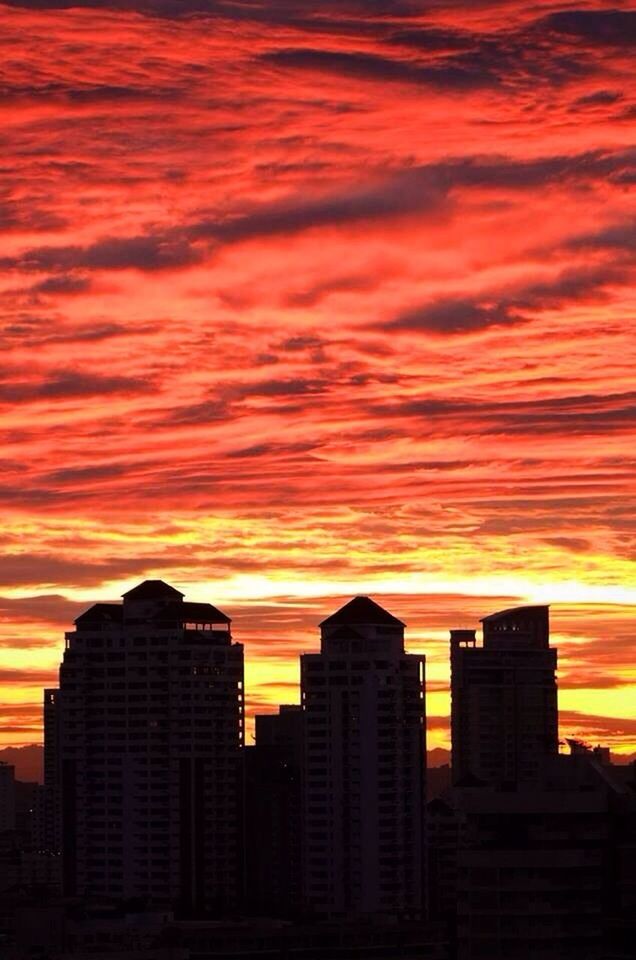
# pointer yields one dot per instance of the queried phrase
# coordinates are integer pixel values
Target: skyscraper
(150, 729)
(363, 767)
(504, 722)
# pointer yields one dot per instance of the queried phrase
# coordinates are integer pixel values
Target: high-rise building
(273, 815)
(363, 767)
(149, 728)
(504, 722)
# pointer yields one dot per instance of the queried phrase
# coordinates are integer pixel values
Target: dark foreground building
(144, 743)
(536, 872)
(59, 933)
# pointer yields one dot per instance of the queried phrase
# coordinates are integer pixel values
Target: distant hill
(438, 757)
(623, 758)
(28, 761)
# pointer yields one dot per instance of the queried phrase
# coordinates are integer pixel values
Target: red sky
(302, 300)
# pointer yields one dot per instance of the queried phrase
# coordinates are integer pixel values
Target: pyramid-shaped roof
(362, 610)
(152, 590)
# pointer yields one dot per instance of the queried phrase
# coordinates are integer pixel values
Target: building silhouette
(528, 849)
(7, 798)
(23, 862)
(363, 767)
(283, 729)
(534, 871)
(504, 724)
(48, 805)
(273, 815)
(144, 739)
(317, 840)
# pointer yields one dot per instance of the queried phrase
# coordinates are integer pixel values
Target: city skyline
(589, 729)
(158, 826)
(306, 301)
(569, 726)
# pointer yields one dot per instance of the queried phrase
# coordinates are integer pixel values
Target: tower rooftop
(362, 610)
(511, 611)
(152, 590)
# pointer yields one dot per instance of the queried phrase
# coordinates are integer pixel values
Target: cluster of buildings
(167, 837)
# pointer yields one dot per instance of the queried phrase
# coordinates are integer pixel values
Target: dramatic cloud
(45, 608)
(116, 253)
(28, 678)
(302, 300)
(597, 27)
(68, 384)
(495, 309)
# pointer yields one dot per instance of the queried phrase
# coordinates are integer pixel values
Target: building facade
(363, 768)
(536, 870)
(504, 723)
(148, 723)
(273, 815)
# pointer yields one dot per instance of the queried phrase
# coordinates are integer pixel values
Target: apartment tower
(504, 723)
(148, 723)
(363, 767)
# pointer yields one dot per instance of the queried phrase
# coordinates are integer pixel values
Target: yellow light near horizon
(252, 588)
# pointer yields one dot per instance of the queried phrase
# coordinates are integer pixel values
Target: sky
(306, 300)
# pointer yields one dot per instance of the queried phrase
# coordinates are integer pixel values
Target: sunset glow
(302, 301)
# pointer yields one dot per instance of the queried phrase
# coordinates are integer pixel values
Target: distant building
(48, 811)
(282, 729)
(29, 869)
(144, 742)
(273, 815)
(7, 797)
(363, 768)
(504, 724)
(446, 834)
(26, 800)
